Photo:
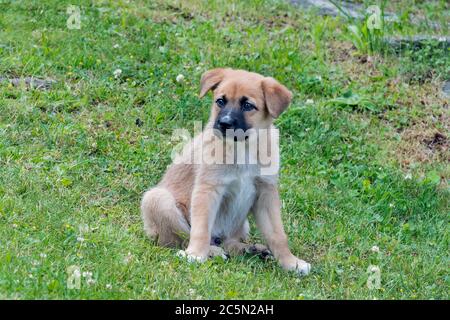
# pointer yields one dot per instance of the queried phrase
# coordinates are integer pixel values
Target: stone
(417, 42)
(326, 8)
(30, 82)
(354, 10)
(446, 89)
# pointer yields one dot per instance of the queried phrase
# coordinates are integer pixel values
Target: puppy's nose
(227, 122)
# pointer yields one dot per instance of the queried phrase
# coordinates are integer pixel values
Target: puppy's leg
(235, 245)
(163, 221)
(205, 203)
(268, 219)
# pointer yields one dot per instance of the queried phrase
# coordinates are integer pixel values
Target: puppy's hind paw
(215, 251)
(190, 257)
(260, 250)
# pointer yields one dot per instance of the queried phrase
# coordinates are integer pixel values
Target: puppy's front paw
(190, 257)
(302, 268)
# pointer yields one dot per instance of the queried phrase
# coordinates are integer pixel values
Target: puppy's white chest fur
(238, 198)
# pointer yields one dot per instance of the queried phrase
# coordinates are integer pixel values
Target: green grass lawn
(362, 165)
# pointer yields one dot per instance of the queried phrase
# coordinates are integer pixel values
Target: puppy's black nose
(227, 122)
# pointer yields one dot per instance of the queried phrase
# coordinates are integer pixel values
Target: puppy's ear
(210, 80)
(277, 96)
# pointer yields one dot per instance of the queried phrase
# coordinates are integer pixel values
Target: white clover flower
(128, 258)
(117, 73)
(374, 269)
(83, 228)
(109, 286)
(36, 34)
(375, 249)
(180, 78)
(116, 46)
(80, 239)
(309, 101)
(191, 291)
(90, 281)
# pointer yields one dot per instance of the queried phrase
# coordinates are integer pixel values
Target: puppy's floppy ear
(277, 96)
(210, 80)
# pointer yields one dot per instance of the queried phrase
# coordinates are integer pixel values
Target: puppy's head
(243, 100)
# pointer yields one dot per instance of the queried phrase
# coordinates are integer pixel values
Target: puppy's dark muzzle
(226, 123)
(231, 124)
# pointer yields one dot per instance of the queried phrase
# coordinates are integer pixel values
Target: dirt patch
(422, 144)
(344, 54)
(425, 133)
(438, 141)
(340, 51)
(426, 138)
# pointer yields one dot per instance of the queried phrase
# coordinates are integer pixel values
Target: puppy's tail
(163, 221)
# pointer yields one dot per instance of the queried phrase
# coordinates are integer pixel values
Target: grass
(360, 166)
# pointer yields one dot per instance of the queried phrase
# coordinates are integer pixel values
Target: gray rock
(354, 10)
(326, 8)
(30, 82)
(417, 42)
(446, 89)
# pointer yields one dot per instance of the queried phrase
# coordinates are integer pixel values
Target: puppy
(209, 201)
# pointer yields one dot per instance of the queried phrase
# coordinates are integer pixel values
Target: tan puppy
(206, 201)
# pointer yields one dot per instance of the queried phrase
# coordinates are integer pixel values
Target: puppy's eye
(221, 102)
(247, 106)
